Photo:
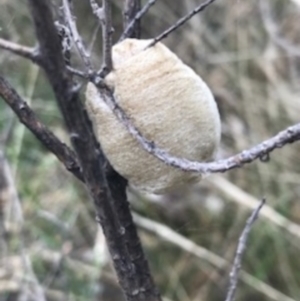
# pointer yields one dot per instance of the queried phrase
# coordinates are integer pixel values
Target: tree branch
(130, 25)
(131, 8)
(76, 36)
(24, 51)
(107, 31)
(108, 196)
(33, 55)
(240, 251)
(181, 22)
(260, 151)
(41, 132)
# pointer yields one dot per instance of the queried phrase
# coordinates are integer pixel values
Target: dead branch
(234, 273)
(131, 8)
(107, 31)
(76, 36)
(104, 16)
(181, 22)
(33, 55)
(109, 195)
(129, 28)
(21, 50)
(41, 132)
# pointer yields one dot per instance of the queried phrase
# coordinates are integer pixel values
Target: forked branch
(42, 133)
(108, 193)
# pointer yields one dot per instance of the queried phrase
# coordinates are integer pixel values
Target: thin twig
(65, 41)
(41, 132)
(176, 239)
(130, 9)
(180, 22)
(24, 51)
(107, 31)
(78, 72)
(104, 15)
(130, 27)
(76, 36)
(33, 55)
(234, 273)
(260, 151)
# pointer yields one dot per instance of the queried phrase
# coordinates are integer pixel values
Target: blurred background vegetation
(248, 53)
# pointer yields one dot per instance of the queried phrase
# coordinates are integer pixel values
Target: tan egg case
(170, 105)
